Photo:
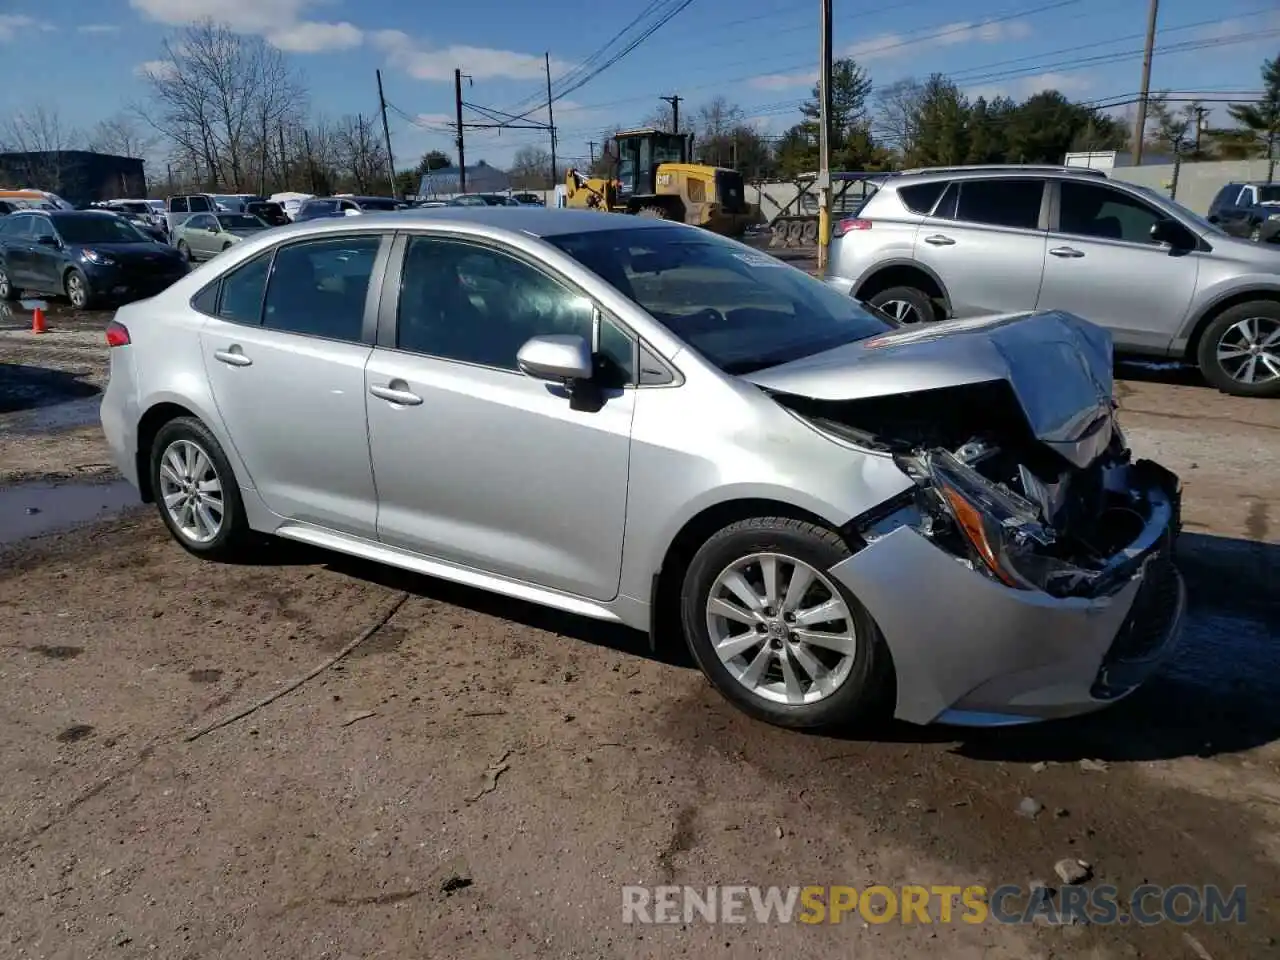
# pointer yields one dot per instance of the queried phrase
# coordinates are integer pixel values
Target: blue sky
(82, 56)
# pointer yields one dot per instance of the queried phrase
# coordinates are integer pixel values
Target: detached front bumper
(969, 650)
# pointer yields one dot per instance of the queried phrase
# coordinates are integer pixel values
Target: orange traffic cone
(37, 321)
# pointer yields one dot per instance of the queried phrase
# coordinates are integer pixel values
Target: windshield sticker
(759, 260)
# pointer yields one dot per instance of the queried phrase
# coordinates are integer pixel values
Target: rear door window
(319, 287)
(178, 205)
(200, 204)
(1001, 203)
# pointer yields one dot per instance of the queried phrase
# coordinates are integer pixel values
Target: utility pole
(675, 112)
(462, 160)
(591, 145)
(386, 135)
(551, 120)
(824, 138)
(311, 166)
(1140, 124)
(1200, 115)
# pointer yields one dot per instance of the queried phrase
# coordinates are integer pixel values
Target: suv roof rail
(1009, 168)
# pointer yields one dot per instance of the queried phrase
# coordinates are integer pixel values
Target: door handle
(1066, 252)
(392, 394)
(232, 358)
(938, 240)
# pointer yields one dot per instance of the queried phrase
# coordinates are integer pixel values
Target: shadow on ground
(24, 387)
(1146, 370)
(1220, 693)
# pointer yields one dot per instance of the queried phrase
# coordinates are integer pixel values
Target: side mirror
(560, 358)
(1173, 233)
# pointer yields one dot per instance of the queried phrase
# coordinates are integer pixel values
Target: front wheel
(77, 289)
(184, 250)
(905, 305)
(1239, 352)
(775, 633)
(7, 290)
(1256, 233)
(196, 491)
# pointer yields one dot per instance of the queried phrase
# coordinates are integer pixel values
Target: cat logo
(664, 179)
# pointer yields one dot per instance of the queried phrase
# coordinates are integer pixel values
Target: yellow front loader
(653, 178)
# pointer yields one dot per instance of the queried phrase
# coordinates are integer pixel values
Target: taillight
(848, 226)
(117, 334)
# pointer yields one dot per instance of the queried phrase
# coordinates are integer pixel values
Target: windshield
(741, 309)
(98, 228)
(239, 221)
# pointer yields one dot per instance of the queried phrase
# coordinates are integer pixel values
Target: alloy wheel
(76, 291)
(1249, 351)
(191, 491)
(781, 629)
(4, 285)
(902, 311)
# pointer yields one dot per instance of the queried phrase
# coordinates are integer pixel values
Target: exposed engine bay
(1069, 520)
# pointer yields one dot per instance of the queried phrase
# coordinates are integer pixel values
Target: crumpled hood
(1058, 365)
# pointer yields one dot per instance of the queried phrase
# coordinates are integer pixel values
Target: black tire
(863, 694)
(76, 287)
(185, 251)
(1256, 233)
(7, 290)
(1207, 353)
(917, 301)
(234, 532)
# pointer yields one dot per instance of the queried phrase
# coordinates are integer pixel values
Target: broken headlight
(1002, 529)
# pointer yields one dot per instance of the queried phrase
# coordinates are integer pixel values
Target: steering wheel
(714, 319)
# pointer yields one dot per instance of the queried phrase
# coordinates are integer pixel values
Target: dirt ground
(480, 778)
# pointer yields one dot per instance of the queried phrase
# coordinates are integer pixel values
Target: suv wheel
(776, 634)
(905, 305)
(1240, 350)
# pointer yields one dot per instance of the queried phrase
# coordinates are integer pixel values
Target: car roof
(994, 170)
(531, 220)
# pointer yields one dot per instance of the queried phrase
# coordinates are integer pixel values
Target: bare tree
(359, 152)
(718, 118)
(39, 134)
(122, 136)
(898, 108)
(531, 169)
(661, 118)
(219, 94)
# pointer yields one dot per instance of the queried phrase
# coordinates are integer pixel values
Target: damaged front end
(1022, 480)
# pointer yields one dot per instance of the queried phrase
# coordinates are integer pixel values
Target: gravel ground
(480, 777)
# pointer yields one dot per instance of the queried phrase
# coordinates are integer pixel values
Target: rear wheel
(653, 213)
(777, 634)
(1239, 352)
(1256, 233)
(184, 250)
(196, 491)
(905, 305)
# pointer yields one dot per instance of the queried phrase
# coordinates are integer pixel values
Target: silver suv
(965, 242)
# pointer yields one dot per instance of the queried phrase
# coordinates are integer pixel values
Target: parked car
(484, 199)
(8, 206)
(1248, 210)
(529, 199)
(1167, 283)
(205, 235)
(179, 208)
(269, 212)
(142, 215)
(323, 207)
(90, 256)
(649, 424)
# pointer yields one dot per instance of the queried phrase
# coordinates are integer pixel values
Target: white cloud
(13, 25)
(887, 46)
(97, 28)
(784, 81)
(438, 64)
(155, 68)
(1069, 84)
(281, 22)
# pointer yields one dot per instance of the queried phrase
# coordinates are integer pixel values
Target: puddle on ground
(35, 509)
(59, 416)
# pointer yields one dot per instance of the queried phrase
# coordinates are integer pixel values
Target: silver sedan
(645, 423)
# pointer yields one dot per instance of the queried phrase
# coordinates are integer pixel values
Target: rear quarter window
(921, 197)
